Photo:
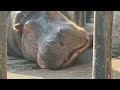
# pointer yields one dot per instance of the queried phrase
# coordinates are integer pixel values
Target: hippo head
(51, 39)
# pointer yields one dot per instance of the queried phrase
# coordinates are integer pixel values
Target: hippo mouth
(70, 59)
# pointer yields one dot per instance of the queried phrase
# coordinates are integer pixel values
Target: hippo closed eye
(45, 37)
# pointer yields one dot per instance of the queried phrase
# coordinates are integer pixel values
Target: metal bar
(102, 45)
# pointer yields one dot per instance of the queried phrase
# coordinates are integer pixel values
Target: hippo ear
(17, 26)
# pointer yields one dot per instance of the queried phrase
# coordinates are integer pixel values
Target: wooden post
(3, 45)
(102, 45)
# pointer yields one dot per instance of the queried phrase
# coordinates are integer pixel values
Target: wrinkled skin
(45, 37)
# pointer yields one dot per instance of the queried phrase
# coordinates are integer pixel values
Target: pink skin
(40, 61)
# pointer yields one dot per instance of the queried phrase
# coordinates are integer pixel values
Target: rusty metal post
(102, 45)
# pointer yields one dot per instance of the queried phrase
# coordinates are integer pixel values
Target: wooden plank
(102, 45)
(3, 45)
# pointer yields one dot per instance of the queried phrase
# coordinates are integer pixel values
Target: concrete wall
(116, 33)
(89, 28)
(78, 18)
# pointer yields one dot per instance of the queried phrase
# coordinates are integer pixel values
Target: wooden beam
(3, 45)
(102, 45)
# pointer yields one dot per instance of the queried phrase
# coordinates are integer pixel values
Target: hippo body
(45, 37)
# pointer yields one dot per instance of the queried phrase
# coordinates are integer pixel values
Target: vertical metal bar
(102, 45)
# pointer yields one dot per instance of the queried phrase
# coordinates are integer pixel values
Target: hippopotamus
(46, 37)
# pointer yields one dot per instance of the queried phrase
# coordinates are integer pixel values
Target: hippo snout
(59, 47)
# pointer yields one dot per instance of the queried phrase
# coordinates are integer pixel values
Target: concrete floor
(24, 69)
(82, 69)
